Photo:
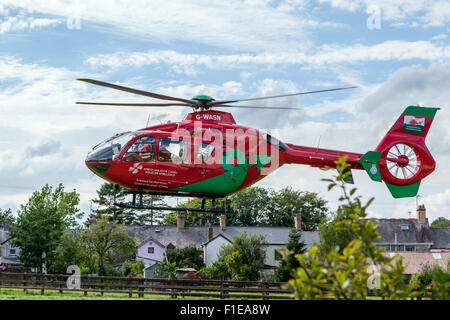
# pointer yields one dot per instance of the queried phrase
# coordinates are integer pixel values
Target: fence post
(101, 286)
(60, 279)
(42, 284)
(224, 291)
(141, 288)
(264, 287)
(174, 290)
(25, 282)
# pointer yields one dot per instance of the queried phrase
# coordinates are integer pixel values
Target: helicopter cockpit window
(275, 142)
(143, 149)
(172, 150)
(110, 149)
(204, 151)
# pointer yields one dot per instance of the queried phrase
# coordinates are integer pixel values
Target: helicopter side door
(138, 162)
(173, 161)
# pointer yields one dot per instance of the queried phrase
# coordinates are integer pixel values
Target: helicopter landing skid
(141, 206)
(187, 210)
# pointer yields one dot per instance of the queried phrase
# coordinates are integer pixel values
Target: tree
(245, 256)
(347, 275)
(289, 262)
(6, 215)
(138, 268)
(127, 268)
(109, 194)
(107, 197)
(217, 270)
(196, 218)
(331, 236)
(441, 222)
(251, 205)
(284, 204)
(259, 206)
(107, 239)
(72, 251)
(41, 223)
(188, 257)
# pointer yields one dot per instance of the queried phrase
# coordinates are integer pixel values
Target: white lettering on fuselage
(206, 116)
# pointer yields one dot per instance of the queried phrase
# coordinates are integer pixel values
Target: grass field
(19, 294)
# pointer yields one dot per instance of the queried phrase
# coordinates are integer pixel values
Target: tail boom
(401, 159)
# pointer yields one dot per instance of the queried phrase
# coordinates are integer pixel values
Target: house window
(151, 249)
(405, 227)
(278, 255)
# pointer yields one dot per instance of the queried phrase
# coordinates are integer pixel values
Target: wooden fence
(139, 287)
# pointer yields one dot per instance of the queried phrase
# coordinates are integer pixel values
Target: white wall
(212, 249)
(270, 254)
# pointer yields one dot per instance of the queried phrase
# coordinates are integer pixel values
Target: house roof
(151, 239)
(273, 235)
(391, 231)
(215, 237)
(198, 235)
(3, 260)
(180, 238)
(5, 241)
(440, 238)
(414, 261)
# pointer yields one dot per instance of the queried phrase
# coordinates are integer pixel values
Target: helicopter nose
(99, 169)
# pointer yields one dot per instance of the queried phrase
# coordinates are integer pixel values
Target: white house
(8, 252)
(276, 237)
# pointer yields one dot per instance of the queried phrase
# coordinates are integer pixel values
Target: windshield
(110, 148)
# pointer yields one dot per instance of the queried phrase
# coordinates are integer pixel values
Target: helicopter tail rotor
(402, 159)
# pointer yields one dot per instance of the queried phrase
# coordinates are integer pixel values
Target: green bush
(289, 262)
(435, 282)
(348, 273)
(138, 268)
(188, 257)
(127, 268)
(245, 256)
(217, 270)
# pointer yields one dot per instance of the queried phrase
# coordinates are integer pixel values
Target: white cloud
(22, 21)
(323, 55)
(250, 24)
(425, 13)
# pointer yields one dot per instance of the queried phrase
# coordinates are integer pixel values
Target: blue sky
(397, 53)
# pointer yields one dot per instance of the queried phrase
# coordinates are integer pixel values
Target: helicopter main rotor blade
(280, 96)
(135, 91)
(256, 107)
(136, 104)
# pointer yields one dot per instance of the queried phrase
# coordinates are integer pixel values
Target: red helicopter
(208, 155)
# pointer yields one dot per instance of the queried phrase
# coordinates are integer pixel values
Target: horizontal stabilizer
(405, 191)
(370, 163)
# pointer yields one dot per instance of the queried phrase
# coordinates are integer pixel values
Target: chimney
(421, 213)
(180, 221)
(422, 220)
(223, 219)
(210, 232)
(298, 221)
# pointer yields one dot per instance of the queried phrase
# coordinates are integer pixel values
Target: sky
(396, 52)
